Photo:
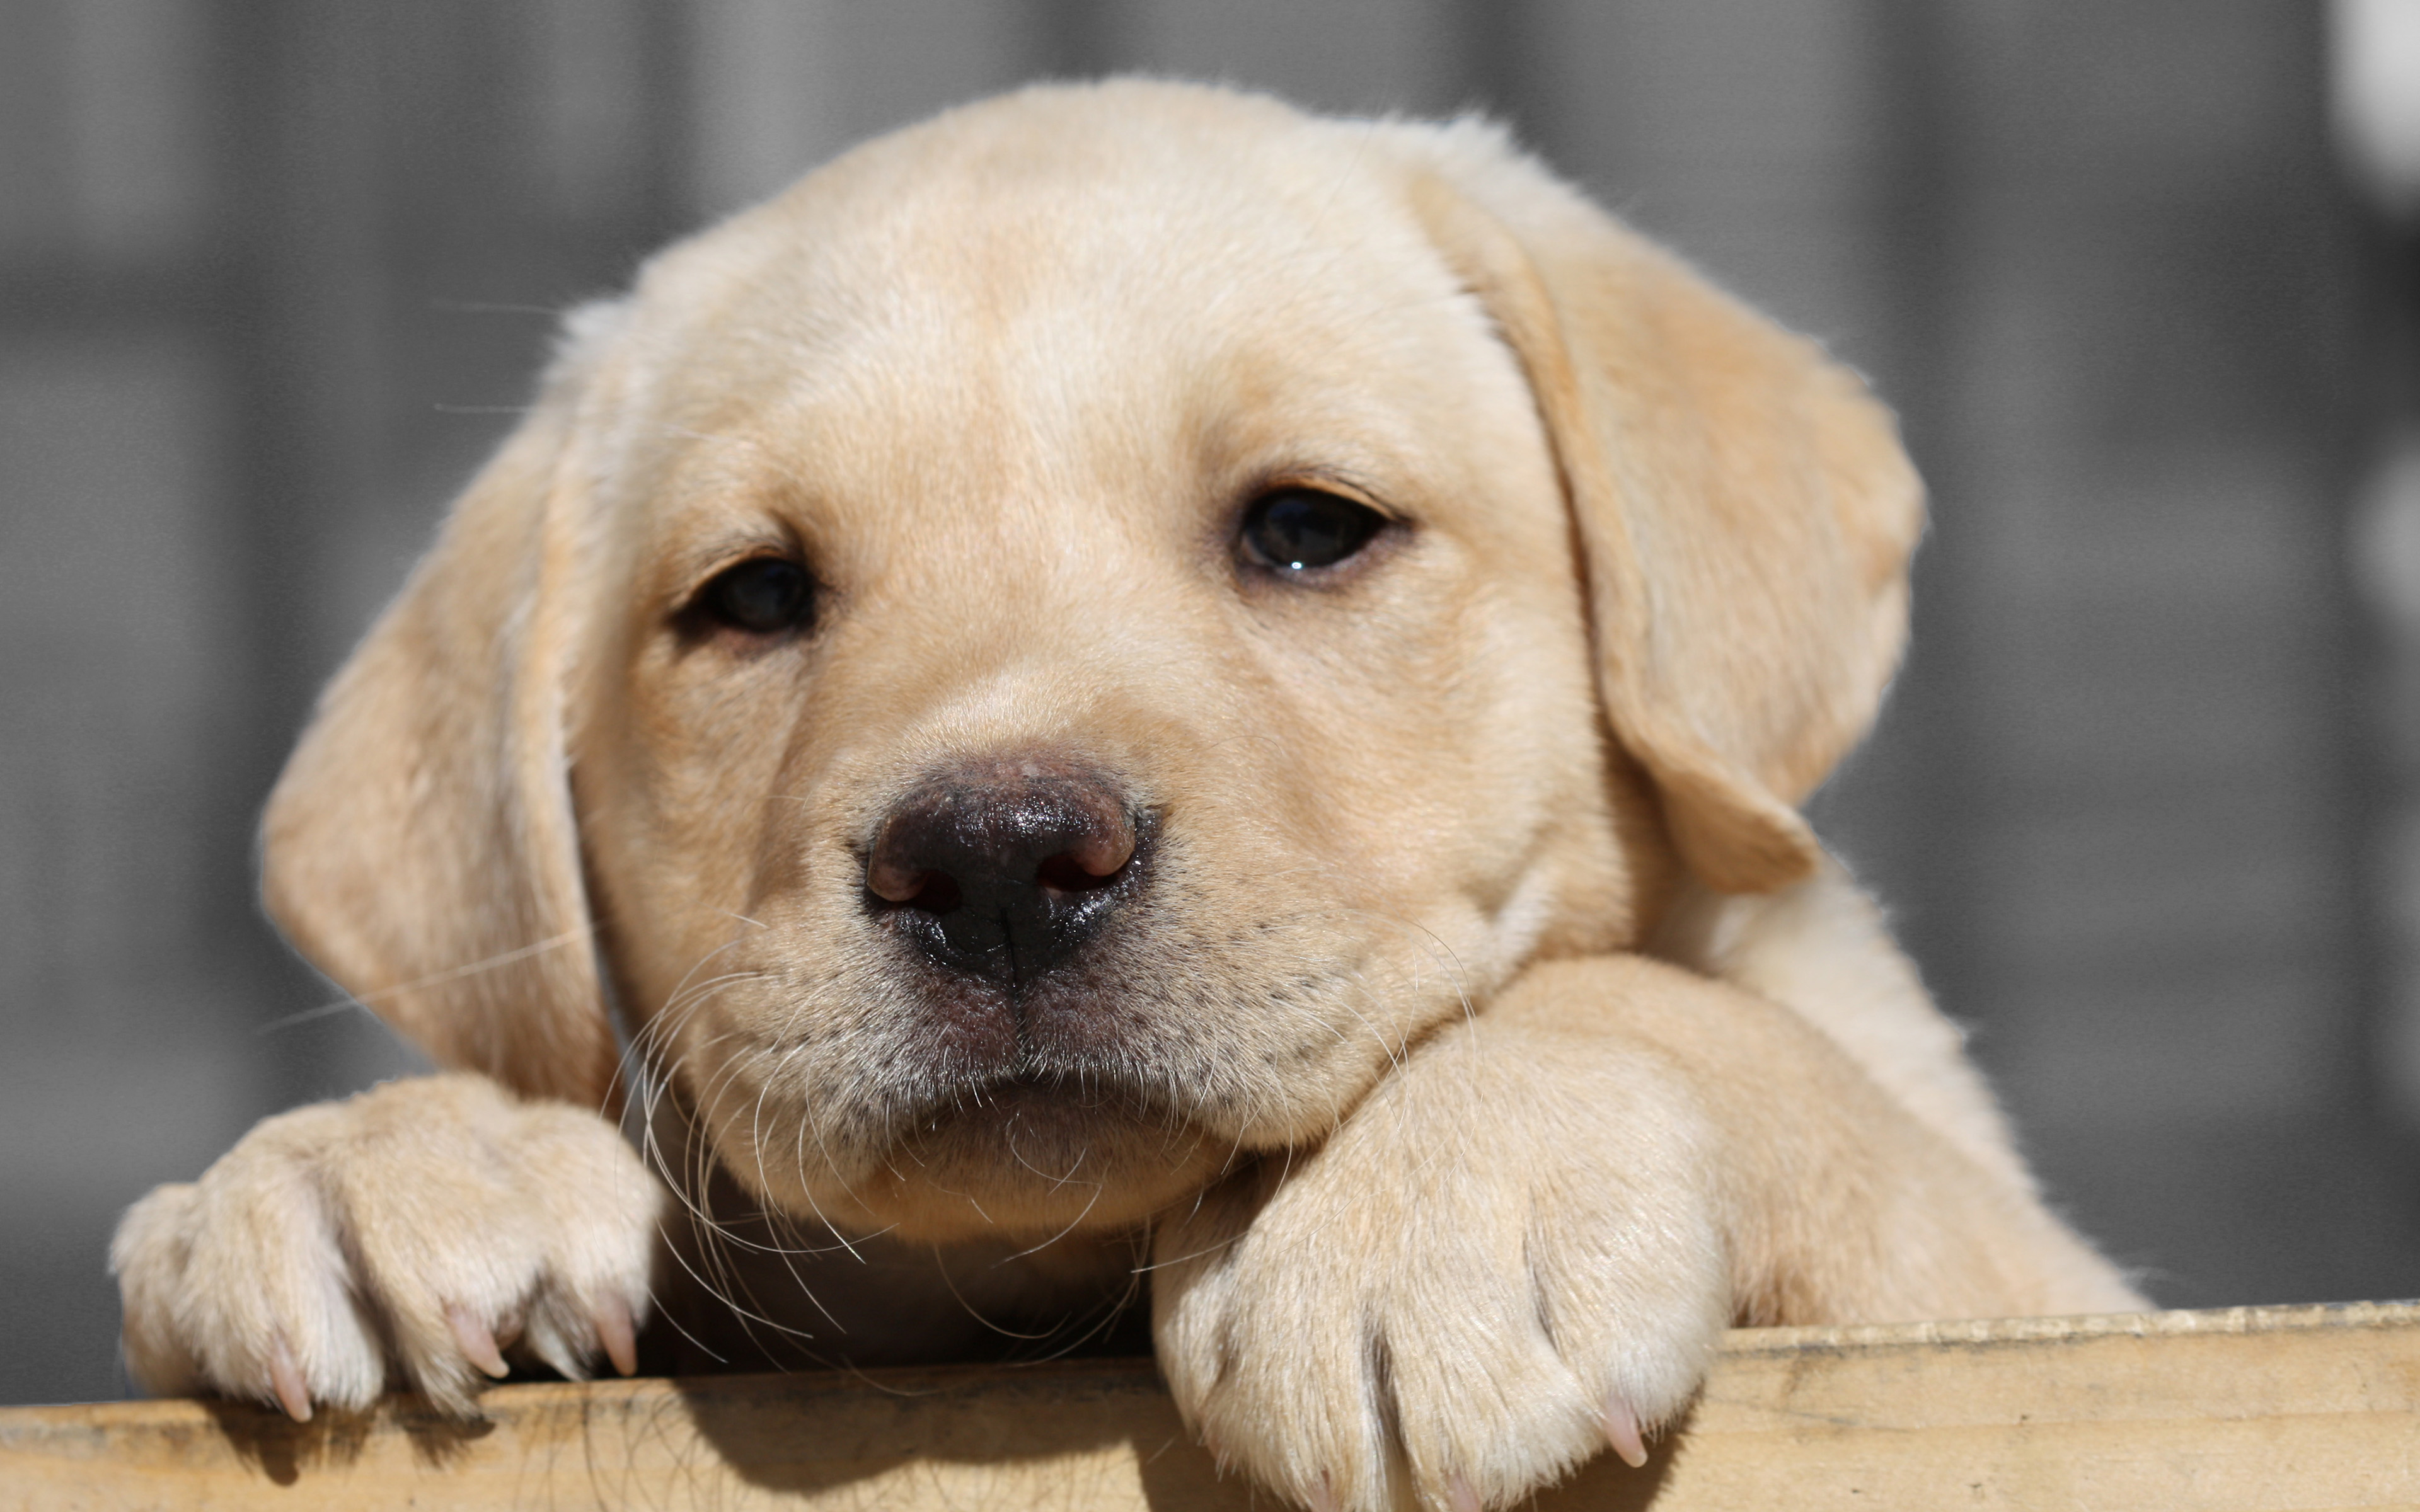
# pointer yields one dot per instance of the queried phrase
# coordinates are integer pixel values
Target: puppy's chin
(1038, 1156)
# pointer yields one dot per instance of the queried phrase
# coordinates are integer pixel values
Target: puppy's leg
(1524, 1243)
(423, 1225)
(1823, 949)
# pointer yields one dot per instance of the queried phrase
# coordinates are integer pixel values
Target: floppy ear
(1744, 510)
(420, 848)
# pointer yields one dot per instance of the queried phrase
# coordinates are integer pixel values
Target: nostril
(894, 881)
(1068, 872)
(1098, 855)
(939, 895)
(931, 892)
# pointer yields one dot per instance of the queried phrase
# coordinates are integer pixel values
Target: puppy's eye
(1300, 530)
(764, 595)
(1303, 530)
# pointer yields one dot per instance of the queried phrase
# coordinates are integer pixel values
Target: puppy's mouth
(1008, 1111)
(1043, 1150)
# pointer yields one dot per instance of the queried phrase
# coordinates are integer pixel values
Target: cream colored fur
(1493, 1031)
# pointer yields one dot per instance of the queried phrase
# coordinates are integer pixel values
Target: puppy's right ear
(420, 848)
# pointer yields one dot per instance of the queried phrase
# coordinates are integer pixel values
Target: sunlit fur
(1489, 1030)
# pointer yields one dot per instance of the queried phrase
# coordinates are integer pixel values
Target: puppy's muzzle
(1000, 869)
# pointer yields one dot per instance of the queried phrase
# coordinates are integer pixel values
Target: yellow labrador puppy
(1128, 684)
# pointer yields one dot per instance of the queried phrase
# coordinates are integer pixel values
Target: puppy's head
(1042, 660)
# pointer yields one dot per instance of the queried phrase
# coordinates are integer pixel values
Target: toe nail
(285, 1379)
(479, 1344)
(1459, 1495)
(611, 1317)
(1622, 1431)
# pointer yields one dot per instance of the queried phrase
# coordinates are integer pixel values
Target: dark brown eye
(765, 596)
(1301, 530)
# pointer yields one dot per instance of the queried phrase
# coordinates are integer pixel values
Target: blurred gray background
(274, 273)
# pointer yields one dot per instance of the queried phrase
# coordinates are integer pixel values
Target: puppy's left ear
(420, 847)
(1743, 506)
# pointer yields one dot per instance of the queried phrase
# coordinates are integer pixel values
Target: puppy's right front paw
(426, 1225)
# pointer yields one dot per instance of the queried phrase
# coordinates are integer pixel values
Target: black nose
(1000, 869)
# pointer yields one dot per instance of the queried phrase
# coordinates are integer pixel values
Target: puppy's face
(1089, 667)
(1042, 659)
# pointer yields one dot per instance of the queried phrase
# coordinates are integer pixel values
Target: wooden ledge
(2251, 1407)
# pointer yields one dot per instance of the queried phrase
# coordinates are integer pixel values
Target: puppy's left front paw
(1491, 1272)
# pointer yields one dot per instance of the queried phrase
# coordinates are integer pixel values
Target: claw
(611, 1317)
(1622, 1431)
(479, 1344)
(285, 1379)
(1459, 1495)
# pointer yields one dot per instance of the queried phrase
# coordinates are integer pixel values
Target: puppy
(1130, 691)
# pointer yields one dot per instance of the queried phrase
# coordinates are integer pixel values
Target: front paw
(1497, 1267)
(427, 1225)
